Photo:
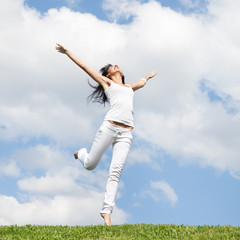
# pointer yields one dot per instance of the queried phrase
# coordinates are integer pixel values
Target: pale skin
(115, 75)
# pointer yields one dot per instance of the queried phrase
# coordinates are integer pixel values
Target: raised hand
(152, 74)
(61, 49)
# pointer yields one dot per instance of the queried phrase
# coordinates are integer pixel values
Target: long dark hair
(98, 94)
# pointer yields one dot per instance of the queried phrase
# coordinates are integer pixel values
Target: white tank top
(121, 104)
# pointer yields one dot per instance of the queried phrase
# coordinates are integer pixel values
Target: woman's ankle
(107, 218)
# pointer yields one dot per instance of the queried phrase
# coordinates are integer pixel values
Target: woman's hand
(61, 49)
(104, 81)
(141, 83)
(151, 75)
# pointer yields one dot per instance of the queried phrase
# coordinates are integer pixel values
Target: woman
(116, 128)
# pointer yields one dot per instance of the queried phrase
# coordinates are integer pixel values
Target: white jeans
(121, 139)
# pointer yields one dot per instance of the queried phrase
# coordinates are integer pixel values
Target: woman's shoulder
(128, 85)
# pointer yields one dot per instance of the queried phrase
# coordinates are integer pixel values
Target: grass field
(138, 231)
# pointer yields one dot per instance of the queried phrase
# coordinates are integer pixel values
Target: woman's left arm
(141, 83)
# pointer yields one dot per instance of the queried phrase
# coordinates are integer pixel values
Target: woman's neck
(117, 79)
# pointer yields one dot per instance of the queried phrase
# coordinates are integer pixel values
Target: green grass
(138, 231)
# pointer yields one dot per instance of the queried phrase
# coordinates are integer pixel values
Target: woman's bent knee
(90, 166)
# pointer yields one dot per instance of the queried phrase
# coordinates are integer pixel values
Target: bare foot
(107, 218)
(76, 155)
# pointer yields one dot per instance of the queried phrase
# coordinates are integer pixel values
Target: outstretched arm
(104, 81)
(140, 83)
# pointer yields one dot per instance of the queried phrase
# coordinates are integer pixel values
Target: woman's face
(112, 70)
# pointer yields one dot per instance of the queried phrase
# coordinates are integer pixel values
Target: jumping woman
(116, 128)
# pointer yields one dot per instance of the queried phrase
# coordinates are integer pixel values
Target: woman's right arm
(104, 81)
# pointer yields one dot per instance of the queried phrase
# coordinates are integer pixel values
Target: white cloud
(48, 185)
(45, 119)
(41, 157)
(167, 191)
(161, 191)
(72, 3)
(193, 3)
(139, 155)
(195, 136)
(120, 8)
(59, 210)
(9, 169)
(145, 155)
(235, 174)
(67, 194)
(66, 179)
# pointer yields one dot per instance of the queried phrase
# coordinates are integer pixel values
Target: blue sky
(184, 164)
